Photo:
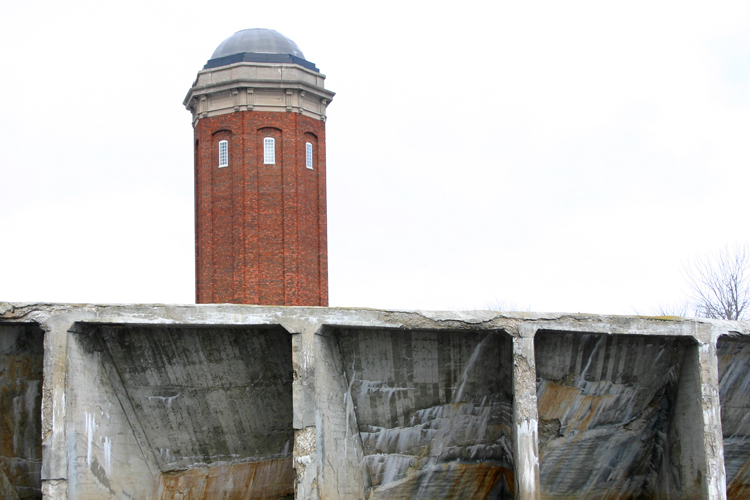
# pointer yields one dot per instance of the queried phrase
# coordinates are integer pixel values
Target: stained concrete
(734, 387)
(608, 426)
(433, 411)
(265, 479)
(179, 399)
(207, 395)
(21, 355)
(225, 401)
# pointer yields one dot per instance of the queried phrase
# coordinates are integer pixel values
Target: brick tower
(259, 111)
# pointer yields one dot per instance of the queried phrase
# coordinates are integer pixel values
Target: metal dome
(258, 45)
(259, 41)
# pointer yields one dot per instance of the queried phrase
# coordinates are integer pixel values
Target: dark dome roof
(258, 45)
(257, 40)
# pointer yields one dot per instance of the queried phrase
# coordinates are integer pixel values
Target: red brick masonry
(260, 230)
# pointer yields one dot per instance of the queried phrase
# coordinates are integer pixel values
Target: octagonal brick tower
(259, 111)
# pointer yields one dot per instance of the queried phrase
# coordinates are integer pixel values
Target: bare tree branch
(720, 283)
(681, 309)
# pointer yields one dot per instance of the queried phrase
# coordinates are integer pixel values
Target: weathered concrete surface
(697, 421)
(206, 396)
(734, 388)
(525, 416)
(102, 446)
(307, 461)
(263, 480)
(607, 416)
(433, 410)
(341, 454)
(21, 356)
(153, 401)
(150, 400)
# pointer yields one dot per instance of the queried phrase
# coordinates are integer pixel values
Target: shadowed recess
(21, 357)
(607, 415)
(433, 410)
(734, 391)
(214, 405)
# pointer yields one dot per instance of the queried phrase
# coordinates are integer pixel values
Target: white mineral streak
(527, 439)
(108, 455)
(166, 399)
(90, 428)
(58, 408)
(458, 394)
(166, 453)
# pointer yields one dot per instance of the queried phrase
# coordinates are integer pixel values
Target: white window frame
(223, 154)
(308, 155)
(269, 151)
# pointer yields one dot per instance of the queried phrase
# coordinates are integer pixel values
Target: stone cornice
(248, 86)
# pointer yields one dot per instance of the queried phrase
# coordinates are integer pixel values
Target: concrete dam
(263, 402)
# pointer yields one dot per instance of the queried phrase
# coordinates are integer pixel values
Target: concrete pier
(252, 402)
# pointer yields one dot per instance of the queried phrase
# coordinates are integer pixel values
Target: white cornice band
(249, 86)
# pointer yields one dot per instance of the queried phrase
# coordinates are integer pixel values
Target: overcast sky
(559, 156)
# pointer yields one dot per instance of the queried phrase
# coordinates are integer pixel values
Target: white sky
(562, 156)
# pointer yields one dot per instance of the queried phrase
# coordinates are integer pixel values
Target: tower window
(269, 151)
(223, 154)
(308, 155)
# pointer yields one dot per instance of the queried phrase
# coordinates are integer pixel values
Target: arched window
(269, 151)
(308, 155)
(223, 154)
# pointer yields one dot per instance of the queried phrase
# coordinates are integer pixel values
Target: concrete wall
(204, 412)
(610, 420)
(21, 356)
(433, 410)
(734, 386)
(230, 401)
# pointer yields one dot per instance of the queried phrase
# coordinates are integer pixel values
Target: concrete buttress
(525, 418)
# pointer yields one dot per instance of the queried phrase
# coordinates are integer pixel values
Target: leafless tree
(683, 309)
(720, 283)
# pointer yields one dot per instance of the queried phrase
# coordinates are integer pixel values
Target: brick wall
(260, 230)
